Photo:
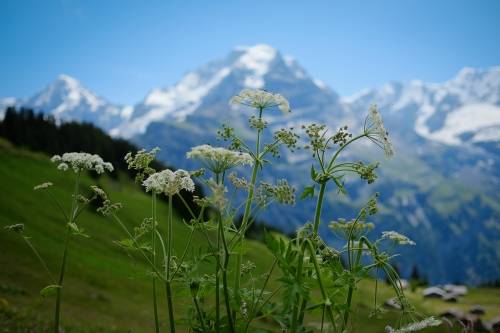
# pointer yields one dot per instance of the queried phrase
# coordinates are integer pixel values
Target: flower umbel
(82, 161)
(218, 159)
(19, 228)
(141, 161)
(416, 326)
(353, 227)
(169, 182)
(397, 237)
(43, 186)
(282, 193)
(376, 132)
(107, 206)
(261, 99)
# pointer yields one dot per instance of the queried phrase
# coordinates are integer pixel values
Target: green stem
(167, 268)
(40, 259)
(246, 214)
(328, 307)
(317, 220)
(298, 278)
(60, 281)
(224, 277)
(138, 246)
(153, 260)
(217, 273)
(65, 255)
(342, 148)
(200, 314)
(319, 204)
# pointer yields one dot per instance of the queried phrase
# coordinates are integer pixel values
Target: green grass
(106, 289)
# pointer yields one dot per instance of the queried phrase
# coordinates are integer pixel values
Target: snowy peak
(256, 59)
(464, 109)
(68, 100)
(63, 95)
(259, 66)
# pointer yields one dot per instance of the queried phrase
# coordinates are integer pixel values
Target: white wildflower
(238, 182)
(281, 192)
(218, 159)
(397, 237)
(375, 130)
(63, 166)
(43, 186)
(218, 198)
(261, 99)
(81, 161)
(352, 228)
(169, 182)
(416, 326)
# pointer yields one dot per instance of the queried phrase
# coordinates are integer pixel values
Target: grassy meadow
(107, 289)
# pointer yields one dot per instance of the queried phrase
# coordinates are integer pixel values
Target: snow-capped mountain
(441, 189)
(465, 109)
(67, 99)
(259, 66)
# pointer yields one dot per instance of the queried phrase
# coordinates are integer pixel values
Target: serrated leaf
(77, 231)
(308, 192)
(314, 174)
(126, 243)
(49, 290)
(73, 227)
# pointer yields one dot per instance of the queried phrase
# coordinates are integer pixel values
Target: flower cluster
(218, 159)
(218, 198)
(261, 99)
(376, 132)
(169, 182)
(341, 136)
(19, 228)
(366, 171)
(287, 137)
(397, 237)
(416, 326)
(81, 161)
(238, 182)
(257, 123)
(141, 161)
(227, 133)
(145, 227)
(107, 206)
(317, 137)
(282, 192)
(355, 228)
(43, 186)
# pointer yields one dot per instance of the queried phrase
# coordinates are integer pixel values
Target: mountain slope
(445, 192)
(67, 99)
(107, 290)
(441, 186)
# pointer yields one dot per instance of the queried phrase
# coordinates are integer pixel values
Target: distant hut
(452, 314)
(495, 325)
(433, 292)
(450, 297)
(455, 289)
(477, 310)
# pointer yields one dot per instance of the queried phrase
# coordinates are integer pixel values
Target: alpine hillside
(440, 189)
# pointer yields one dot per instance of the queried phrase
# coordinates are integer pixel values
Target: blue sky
(122, 49)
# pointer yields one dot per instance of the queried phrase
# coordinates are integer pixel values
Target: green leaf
(49, 290)
(314, 174)
(308, 192)
(77, 231)
(127, 244)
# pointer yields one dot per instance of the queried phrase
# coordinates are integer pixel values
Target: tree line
(36, 131)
